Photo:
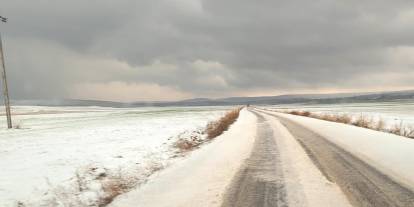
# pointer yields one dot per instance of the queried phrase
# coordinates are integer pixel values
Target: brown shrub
(216, 128)
(112, 189)
(114, 186)
(396, 129)
(380, 125)
(340, 118)
(213, 129)
(300, 113)
(401, 130)
(327, 117)
(344, 118)
(186, 145)
(364, 122)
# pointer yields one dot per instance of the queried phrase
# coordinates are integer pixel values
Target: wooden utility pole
(4, 78)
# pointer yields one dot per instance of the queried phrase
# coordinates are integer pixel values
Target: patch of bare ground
(362, 121)
(212, 130)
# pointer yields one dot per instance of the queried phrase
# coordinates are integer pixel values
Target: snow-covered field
(392, 113)
(62, 156)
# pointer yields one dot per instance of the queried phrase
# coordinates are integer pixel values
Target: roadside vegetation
(91, 186)
(216, 128)
(95, 185)
(361, 121)
(212, 130)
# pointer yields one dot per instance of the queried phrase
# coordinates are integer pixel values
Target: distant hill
(261, 100)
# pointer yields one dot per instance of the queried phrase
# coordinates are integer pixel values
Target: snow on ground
(304, 182)
(201, 179)
(60, 153)
(393, 113)
(390, 153)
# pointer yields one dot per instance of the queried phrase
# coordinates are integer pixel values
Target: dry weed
(362, 121)
(216, 128)
(300, 113)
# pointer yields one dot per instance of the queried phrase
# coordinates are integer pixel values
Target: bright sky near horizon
(128, 50)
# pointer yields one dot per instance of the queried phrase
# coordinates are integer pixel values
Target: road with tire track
(260, 181)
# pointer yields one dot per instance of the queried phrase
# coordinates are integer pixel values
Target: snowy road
(260, 181)
(362, 184)
(270, 159)
(279, 173)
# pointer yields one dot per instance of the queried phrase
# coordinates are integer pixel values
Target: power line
(4, 78)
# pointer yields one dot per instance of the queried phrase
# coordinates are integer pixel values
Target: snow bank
(389, 153)
(199, 180)
(392, 113)
(59, 148)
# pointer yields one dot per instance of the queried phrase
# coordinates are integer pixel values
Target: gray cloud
(206, 47)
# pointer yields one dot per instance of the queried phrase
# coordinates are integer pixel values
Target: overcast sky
(129, 50)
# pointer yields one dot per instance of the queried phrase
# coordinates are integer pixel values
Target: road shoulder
(201, 178)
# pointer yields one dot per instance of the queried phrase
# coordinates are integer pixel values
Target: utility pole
(5, 88)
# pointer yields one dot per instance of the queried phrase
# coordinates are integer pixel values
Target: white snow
(392, 113)
(39, 163)
(305, 184)
(389, 153)
(201, 179)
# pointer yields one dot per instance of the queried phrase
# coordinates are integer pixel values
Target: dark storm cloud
(207, 47)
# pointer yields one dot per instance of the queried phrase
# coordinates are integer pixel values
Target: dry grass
(93, 186)
(114, 184)
(396, 129)
(400, 129)
(380, 125)
(186, 145)
(112, 190)
(216, 128)
(213, 129)
(362, 121)
(340, 118)
(300, 113)
(113, 187)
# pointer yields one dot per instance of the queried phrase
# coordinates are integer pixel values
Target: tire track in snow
(260, 181)
(363, 184)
